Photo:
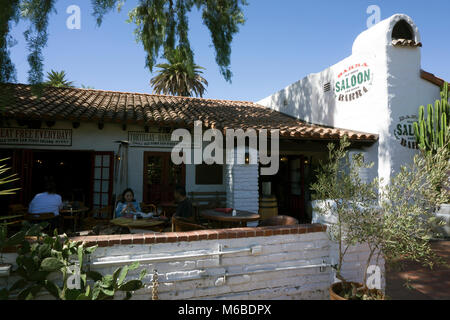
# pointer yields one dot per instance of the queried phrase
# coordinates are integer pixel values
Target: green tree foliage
(395, 220)
(178, 77)
(37, 13)
(58, 79)
(160, 24)
(9, 13)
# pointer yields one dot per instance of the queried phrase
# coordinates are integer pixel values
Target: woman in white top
(46, 202)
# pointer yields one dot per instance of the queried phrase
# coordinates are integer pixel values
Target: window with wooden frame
(103, 171)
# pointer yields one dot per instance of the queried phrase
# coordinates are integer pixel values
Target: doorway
(161, 176)
(288, 186)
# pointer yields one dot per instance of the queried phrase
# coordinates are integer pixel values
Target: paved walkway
(423, 283)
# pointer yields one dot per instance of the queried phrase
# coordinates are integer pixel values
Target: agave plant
(6, 179)
(58, 79)
(179, 77)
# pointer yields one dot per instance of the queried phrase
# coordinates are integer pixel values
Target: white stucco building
(377, 89)
(372, 96)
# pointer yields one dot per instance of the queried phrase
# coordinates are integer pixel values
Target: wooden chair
(43, 217)
(96, 217)
(182, 224)
(17, 209)
(278, 221)
(206, 200)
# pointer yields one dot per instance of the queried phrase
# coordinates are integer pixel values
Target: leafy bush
(38, 260)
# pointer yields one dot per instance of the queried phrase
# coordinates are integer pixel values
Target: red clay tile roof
(80, 105)
(406, 43)
(432, 78)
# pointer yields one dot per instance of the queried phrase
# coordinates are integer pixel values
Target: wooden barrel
(268, 207)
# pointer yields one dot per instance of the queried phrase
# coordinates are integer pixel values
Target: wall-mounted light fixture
(247, 158)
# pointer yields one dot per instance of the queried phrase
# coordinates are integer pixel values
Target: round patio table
(138, 224)
(241, 218)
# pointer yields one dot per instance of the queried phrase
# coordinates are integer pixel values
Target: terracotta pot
(337, 286)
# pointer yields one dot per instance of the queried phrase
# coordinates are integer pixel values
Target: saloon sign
(404, 132)
(353, 82)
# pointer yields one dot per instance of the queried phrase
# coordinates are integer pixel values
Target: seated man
(46, 202)
(184, 208)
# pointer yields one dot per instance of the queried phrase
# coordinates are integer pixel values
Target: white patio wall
(240, 275)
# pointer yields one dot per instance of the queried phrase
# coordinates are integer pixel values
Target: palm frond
(179, 77)
(58, 79)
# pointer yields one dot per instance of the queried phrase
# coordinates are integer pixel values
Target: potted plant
(393, 220)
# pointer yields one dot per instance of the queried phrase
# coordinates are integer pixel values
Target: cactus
(431, 132)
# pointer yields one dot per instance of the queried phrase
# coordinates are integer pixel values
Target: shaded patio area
(418, 283)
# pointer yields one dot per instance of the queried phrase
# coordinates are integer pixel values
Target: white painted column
(242, 187)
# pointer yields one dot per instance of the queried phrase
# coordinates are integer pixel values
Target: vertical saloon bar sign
(36, 137)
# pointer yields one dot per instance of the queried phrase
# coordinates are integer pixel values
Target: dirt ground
(416, 282)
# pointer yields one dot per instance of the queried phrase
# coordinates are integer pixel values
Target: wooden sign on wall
(36, 137)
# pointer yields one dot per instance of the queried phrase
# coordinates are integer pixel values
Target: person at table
(46, 202)
(127, 205)
(184, 205)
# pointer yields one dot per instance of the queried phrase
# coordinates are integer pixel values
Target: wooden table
(73, 214)
(139, 224)
(241, 218)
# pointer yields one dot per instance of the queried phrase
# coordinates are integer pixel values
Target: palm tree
(179, 77)
(58, 79)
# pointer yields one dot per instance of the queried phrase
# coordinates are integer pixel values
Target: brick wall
(257, 263)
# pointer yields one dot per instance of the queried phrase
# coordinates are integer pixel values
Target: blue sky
(281, 42)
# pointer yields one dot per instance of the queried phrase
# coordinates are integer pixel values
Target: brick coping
(213, 234)
(173, 237)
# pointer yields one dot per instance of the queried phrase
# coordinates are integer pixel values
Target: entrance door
(297, 187)
(161, 176)
(288, 186)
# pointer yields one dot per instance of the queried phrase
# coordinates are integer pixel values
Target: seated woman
(128, 205)
(46, 202)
